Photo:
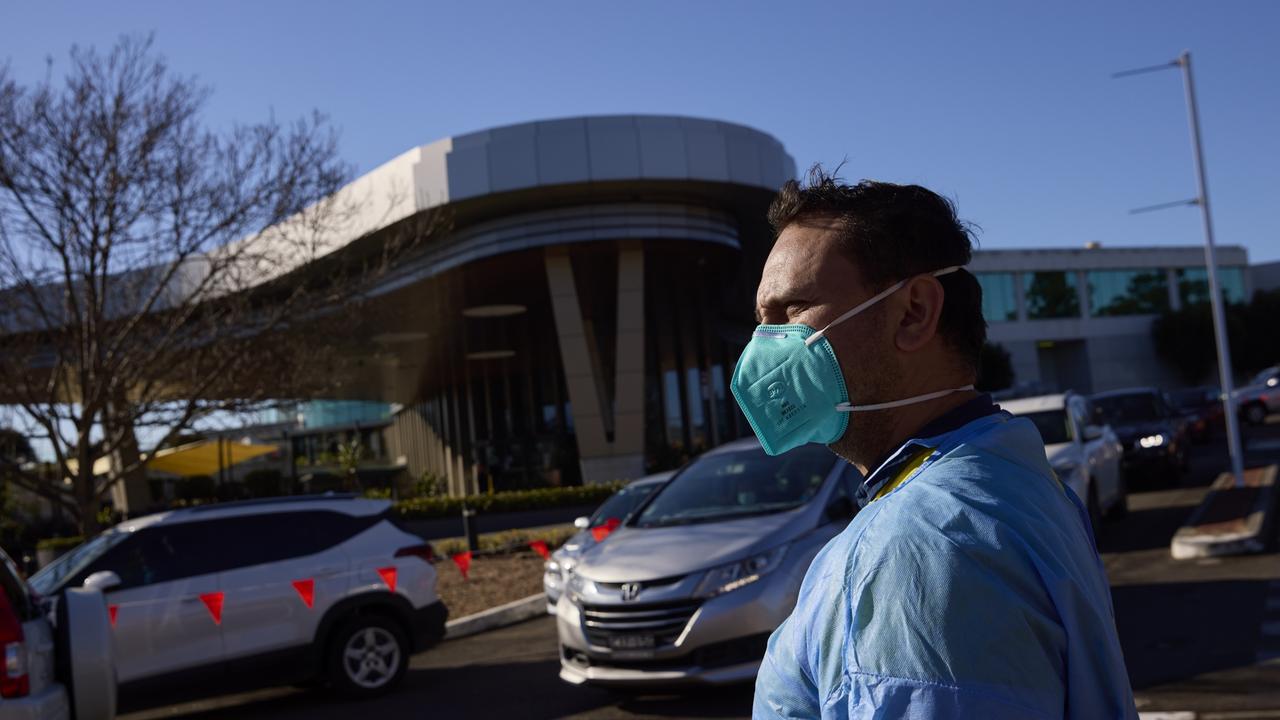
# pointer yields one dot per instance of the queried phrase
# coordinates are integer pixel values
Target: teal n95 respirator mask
(789, 385)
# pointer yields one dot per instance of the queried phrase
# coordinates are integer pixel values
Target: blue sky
(1006, 107)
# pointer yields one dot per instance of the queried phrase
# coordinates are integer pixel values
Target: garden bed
(493, 580)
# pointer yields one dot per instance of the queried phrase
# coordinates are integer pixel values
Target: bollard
(469, 528)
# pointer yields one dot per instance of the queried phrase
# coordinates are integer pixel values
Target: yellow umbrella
(201, 458)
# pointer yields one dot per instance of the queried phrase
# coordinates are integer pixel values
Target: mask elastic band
(846, 407)
(877, 298)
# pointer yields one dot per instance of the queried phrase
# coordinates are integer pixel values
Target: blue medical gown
(972, 589)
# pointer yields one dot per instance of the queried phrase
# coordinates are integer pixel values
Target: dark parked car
(1202, 409)
(1260, 397)
(1154, 436)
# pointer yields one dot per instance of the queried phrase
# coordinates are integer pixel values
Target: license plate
(631, 642)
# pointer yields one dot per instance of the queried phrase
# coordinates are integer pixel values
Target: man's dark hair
(894, 232)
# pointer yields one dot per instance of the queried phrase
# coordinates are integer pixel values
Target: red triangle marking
(389, 577)
(540, 547)
(112, 610)
(213, 601)
(463, 561)
(306, 590)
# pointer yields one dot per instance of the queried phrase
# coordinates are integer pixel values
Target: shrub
(264, 482)
(516, 500)
(59, 543)
(195, 487)
(508, 540)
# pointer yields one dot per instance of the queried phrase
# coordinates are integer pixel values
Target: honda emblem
(630, 591)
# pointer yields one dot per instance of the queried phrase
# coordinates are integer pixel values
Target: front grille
(717, 655)
(664, 621)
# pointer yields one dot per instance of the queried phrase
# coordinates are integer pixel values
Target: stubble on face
(871, 375)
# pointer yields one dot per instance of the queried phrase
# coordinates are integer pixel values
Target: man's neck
(905, 423)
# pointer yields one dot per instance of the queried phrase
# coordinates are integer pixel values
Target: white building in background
(1081, 318)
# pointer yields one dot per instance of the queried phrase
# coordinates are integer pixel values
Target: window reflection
(1193, 285)
(1052, 294)
(999, 299)
(1127, 292)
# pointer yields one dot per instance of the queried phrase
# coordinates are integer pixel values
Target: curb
(1237, 531)
(497, 617)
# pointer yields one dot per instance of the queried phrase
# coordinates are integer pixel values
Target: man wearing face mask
(968, 586)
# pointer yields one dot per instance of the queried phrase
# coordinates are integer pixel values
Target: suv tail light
(423, 551)
(14, 682)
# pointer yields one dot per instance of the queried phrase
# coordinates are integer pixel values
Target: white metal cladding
(593, 149)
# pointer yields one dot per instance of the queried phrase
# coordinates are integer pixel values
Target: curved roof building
(581, 315)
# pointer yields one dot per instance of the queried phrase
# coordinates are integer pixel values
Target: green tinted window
(1193, 284)
(999, 300)
(1127, 292)
(1052, 295)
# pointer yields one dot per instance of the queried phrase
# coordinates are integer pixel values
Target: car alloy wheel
(371, 657)
(368, 655)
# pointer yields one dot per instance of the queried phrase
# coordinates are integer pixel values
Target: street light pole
(1210, 261)
(1211, 267)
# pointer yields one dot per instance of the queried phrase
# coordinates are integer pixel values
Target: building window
(1193, 285)
(1052, 295)
(1127, 292)
(999, 300)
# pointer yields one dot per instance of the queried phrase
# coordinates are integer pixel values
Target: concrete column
(575, 355)
(1020, 294)
(600, 459)
(1171, 281)
(1082, 294)
(628, 436)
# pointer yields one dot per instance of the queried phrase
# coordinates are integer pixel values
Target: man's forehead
(806, 262)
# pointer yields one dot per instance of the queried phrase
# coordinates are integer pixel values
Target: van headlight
(728, 578)
(1152, 441)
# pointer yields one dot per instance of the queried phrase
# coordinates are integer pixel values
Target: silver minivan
(689, 588)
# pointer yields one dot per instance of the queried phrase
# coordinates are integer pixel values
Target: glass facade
(1127, 292)
(1051, 294)
(1193, 285)
(999, 298)
(494, 408)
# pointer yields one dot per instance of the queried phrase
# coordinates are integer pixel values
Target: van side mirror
(582, 523)
(1092, 432)
(103, 580)
(841, 508)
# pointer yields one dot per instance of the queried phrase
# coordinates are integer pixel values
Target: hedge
(507, 541)
(510, 501)
(59, 543)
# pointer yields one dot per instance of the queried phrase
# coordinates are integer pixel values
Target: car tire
(367, 656)
(1255, 414)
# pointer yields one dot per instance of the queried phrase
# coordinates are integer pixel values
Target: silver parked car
(689, 588)
(609, 516)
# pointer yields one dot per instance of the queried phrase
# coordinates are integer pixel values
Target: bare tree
(152, 271)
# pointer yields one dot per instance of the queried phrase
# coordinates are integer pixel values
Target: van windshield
(728, 485)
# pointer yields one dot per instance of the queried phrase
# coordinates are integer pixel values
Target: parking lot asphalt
(1200, 635)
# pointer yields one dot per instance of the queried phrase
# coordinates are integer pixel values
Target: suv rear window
(248, 540)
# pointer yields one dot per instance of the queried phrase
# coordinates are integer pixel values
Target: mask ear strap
(875, 299)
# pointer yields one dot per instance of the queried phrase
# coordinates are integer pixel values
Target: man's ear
(921, 307)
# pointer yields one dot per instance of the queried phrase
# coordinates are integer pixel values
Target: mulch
(493, 580)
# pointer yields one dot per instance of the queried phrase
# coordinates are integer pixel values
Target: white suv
(1085, 456)
(47, 672)
(226, 597)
